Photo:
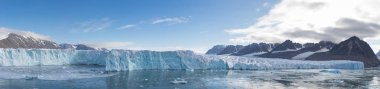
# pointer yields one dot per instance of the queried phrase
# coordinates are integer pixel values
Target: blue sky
(143, 24)
(193, 24)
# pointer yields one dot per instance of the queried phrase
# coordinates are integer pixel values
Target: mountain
(18, 41)
(255, 48)
(84, 47)
(216, 49)
(288, 49)
(230, 49)
(287, 46)
(67, 46)
(76, 47)
(307, 50)
(353, 49)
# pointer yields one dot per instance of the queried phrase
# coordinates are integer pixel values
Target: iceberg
(123, 60)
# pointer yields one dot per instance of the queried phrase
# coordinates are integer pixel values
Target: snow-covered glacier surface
(119, 60)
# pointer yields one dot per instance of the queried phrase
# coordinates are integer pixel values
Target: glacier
(123, 60)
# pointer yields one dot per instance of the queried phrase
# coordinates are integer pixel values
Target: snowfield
(121, 60)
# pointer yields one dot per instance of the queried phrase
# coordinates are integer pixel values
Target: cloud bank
(314, 20)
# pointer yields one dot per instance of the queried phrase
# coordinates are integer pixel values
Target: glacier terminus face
(121, 60)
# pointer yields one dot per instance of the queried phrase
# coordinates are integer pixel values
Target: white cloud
(5, 31)
(95, 25)
(111, 45)
(171, 21)
(313, 20)
(128, 26)
(375, 48)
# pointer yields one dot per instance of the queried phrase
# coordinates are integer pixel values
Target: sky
(191, 24)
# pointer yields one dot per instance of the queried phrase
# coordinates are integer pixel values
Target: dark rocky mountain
(286, 50)
(287, 45)
(216, 49)
(307, 47)
(378, 54)
(255, 48)
(230, 49)
(353, 49)
(18, 41)
(76, 47)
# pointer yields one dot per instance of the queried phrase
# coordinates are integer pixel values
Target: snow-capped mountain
(216, 49)
(18, 41)
(67, 46)
(293, 52)
(256, 48)
(353, 49)
(14, 40)
(230, 49)
(76, 47)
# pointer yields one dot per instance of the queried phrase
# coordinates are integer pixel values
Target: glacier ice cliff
(34, 57)
(119, 60)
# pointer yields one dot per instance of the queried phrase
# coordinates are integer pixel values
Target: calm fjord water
(95, 77)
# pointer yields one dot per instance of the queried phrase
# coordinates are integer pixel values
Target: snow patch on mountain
(287, 50)
(304, 55)
(4, 32)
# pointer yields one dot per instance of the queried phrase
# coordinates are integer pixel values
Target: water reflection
(193, 79)
(278, 79)
(161, 79)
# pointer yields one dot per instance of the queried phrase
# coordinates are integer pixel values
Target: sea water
(96, 77)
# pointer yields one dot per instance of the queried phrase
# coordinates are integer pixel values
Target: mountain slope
(288, 49)
(255, 48)
(287, 45)
(216, 49)
(351, 49)
(230, 49)
(18, 41)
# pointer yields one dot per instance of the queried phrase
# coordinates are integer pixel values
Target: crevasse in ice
(119, 60)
